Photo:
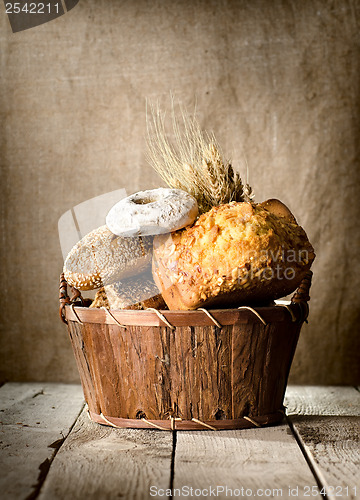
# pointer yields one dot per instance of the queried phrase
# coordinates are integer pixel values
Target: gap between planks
(45, 466)
(98, 461)
(326, 423)
(102, 461)
(35, 419)
(135, 459)
(241, 463)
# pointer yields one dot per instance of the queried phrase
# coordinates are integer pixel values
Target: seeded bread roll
(102, 258)
(138, 292)
(237, 253)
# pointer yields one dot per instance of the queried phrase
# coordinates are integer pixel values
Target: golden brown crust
(235, 253)
(100, 299)
(278, 208)
(139, 292)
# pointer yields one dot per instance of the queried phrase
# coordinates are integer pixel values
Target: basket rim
(297, 309)
(179, 318)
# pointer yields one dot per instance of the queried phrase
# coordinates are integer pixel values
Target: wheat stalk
(193, 161)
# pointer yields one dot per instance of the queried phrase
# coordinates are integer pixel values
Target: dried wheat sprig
(193, 161)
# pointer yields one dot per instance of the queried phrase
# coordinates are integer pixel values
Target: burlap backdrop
(278, 82)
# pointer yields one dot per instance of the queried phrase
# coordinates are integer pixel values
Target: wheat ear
(193, 161)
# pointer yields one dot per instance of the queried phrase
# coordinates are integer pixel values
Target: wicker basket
(191, 370)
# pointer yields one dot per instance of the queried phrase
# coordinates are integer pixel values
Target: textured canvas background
(278, 82)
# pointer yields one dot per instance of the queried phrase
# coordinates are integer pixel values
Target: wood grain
(327, 425)
(252, 459)
(35, 418)
(322, 400)
(193, 371)
(101, 462)
(96, 461)
(333, 447)
(87, 379)
(261, 361)
(200, 370)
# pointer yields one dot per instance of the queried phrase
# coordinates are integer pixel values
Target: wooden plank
(322, 400)
(327, 425)
(98, 461)
(246, 462)
(35, 418)
(332, 445)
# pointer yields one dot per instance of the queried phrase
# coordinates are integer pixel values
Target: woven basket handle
(302, 293)
(65, 299)
(301, 297)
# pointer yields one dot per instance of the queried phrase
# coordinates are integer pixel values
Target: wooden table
(51, 450)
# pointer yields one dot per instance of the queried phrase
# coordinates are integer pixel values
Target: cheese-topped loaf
(237, 253)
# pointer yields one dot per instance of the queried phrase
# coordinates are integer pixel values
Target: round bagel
(155, 211)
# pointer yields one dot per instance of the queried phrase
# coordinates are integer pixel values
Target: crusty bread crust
(138, 292)
(102, 258)
(237, 253)
(100, 299)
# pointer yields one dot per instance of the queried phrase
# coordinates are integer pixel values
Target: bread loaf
(138, 292)
(102, 258)
(237, 253)
(100, 299)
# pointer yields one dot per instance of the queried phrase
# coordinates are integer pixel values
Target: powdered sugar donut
(155, 211)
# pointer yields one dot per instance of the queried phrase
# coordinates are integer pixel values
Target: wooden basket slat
(84, 368)
(196, 390)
